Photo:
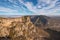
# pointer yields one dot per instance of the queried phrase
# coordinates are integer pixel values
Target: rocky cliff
(21, 28)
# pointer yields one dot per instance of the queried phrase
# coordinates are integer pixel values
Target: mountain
(37, 27)
(21, 28)
(46, 22)
(40, 20)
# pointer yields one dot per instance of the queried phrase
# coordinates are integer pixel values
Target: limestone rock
(21, 28)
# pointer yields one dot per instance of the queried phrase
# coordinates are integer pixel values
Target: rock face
(50, 24)
(40, 21)
(21, 29)
(45, 22)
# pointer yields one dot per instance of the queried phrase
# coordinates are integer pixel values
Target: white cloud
(3, 9)
(13, 1)
(51, 3)
(44, 10)
(47, 1)
(8, 11)
(31, 7)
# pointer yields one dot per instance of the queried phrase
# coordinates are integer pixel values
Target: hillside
(21, 28)
(46, 22)
(29, 28)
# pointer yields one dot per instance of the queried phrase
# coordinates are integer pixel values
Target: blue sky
(29, 7)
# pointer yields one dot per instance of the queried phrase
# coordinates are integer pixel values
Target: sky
(30, 7)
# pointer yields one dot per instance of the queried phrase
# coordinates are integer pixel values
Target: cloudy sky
(29, 7)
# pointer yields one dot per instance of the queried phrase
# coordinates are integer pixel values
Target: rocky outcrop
(21, 28)
(45, 22)
(40, 21)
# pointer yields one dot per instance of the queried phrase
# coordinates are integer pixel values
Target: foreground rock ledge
(21, 29)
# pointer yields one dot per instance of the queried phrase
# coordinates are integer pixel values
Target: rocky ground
(27, 28)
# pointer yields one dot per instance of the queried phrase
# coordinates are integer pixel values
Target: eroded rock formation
(21, 29)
